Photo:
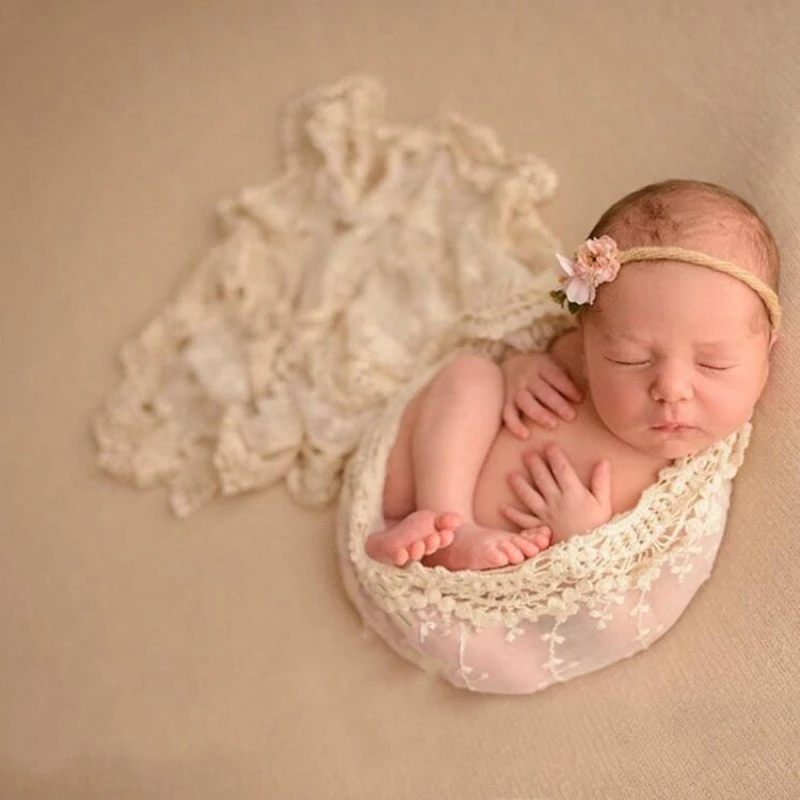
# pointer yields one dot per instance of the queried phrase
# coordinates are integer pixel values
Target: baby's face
(676, 356)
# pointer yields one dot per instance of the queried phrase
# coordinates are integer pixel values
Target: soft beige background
(143, 657)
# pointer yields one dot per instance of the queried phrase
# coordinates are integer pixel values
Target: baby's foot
(476, 547)
(419, 534)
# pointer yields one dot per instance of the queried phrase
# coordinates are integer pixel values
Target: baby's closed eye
(647, 362)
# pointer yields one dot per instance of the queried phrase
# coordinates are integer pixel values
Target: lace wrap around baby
(581, 605)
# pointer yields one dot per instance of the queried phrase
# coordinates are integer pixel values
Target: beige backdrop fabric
(145, 657)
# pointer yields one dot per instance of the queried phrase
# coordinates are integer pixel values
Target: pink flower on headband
(596, 261)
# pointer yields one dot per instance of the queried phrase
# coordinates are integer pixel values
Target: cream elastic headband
(598, 261)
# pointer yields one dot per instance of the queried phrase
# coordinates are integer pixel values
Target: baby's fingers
(546, 485)
(513, 421)
(562, 470)
(535, 410)
(527, 494)
(601, 482)
(520, 518)
(559, 379)
(554, 401)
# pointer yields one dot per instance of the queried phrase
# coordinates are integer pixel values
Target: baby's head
(668, 343)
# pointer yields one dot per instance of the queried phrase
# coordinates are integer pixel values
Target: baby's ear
(774, 339)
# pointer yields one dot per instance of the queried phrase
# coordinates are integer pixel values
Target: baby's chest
(585, 442)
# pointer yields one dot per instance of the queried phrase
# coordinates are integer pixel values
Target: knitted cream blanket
(335, 292)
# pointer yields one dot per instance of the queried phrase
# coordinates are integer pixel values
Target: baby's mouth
(672, 427)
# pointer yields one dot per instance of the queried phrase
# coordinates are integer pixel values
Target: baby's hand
(555, 496)
(538, 388)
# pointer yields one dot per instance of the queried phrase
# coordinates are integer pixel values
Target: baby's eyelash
(645, 363)
(628, 363)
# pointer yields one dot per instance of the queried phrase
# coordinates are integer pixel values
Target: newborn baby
(670, 354)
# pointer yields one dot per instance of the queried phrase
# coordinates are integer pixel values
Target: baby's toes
(448, 521)
(433, 543)
(544, 538)
(400, 557)
(512, 552)
(493, 556)
(416, 550)
(446, 537)
(528, 548)
(541, 537)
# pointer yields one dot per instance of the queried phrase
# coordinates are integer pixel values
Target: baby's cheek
(729, 411)
(622, 398)
(620, 410)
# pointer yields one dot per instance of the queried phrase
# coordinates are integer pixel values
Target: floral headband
(598, 261)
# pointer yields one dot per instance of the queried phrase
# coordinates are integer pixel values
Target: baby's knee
(473, 375)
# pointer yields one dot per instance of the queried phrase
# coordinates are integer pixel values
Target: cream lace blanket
(336, 289)
(378, 250)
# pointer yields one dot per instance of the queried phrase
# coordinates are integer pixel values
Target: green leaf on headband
(560, 297)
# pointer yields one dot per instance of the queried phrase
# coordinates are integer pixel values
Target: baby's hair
(658, 215)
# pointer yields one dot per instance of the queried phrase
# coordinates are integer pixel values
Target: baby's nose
(672, 383)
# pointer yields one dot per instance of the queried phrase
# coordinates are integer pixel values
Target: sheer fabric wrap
(378, 253)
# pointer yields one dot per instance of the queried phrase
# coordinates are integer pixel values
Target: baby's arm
(554, 495)
(537, 387)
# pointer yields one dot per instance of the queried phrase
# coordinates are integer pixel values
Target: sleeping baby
(677, 313)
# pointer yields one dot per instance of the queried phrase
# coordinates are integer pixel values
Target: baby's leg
(444, 437)
(456, 426)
